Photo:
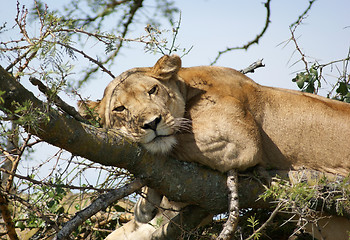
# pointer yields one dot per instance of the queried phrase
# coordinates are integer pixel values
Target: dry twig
(251, 68)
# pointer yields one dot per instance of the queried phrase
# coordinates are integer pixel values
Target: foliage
(305, 197)
(50, 200)
(29, 116)
(311, 79)
(47, 204)
(1, 99)
(253, 223)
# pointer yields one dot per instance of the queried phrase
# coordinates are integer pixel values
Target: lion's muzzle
(153, 124)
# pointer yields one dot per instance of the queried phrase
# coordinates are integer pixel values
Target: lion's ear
(166, 67)
(90, 110)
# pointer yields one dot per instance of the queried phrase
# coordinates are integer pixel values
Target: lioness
(219, 117)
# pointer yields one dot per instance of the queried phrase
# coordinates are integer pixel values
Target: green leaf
(347, 98)
(313, 72)
(342, 89)
(119, 208)
(1, 99)
(310, 88)
(300, 83)
(300, 79)
(20, 225)
(252, 222)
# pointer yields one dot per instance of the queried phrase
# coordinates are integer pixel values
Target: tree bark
(179, 181)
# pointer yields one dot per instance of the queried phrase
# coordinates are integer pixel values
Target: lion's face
(146, 105)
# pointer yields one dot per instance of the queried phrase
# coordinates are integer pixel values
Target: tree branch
(130, 17)
(251, 68)
(57, 100)
(111, 149)
(102, 202)
(255, 40)
(303, 14)
(268, 221)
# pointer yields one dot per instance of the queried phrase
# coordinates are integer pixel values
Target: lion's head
(146, 105)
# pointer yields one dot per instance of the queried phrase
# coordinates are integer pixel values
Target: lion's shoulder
(212, 76)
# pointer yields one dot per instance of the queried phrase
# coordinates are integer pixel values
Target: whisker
(183, 125)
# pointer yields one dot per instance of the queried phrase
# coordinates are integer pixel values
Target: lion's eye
(119, 109)
(153, 90)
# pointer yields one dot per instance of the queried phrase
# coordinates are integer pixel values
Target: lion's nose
(152, 124)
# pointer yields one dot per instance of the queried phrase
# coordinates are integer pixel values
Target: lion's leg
(147, 206)
(186, 219)
(231, 223)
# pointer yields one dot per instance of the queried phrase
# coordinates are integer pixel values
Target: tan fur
(329, 228)
(221, 118)
(135, 230)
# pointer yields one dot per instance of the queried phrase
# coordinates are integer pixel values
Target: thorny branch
(303, 14)
(99, 64)
(303, 57)
(51, 30)
(15, 163)
(34, 209)
(110, 7)
(343, 76)
(107, 38)
(254, 41)
(12, 158)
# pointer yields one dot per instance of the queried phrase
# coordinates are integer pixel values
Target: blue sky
(210, 26)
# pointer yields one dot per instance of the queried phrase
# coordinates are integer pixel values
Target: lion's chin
(161, 144)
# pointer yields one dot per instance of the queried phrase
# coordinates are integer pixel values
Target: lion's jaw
(160, 144)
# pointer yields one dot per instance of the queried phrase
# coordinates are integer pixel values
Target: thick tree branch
(179, 181)
(102, 202)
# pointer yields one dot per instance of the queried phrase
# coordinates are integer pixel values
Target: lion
(137, 229)
(220, 118)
